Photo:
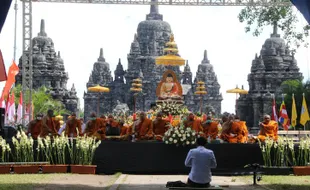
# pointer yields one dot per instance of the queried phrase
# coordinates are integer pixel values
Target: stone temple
(274, 65)
(148, 43)
(49, 70)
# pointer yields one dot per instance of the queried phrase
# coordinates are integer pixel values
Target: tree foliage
(297, 88)
(42, 101)
(258, 17)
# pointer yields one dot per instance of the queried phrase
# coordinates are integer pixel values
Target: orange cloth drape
(13, 71)
(211, 130)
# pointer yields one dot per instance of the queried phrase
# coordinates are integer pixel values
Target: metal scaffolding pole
(27, 59)
(178, 2)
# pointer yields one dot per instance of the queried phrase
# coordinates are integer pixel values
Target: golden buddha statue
(169, 87)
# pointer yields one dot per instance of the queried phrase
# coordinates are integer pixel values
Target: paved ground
(158, 182)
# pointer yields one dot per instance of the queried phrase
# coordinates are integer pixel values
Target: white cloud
(80, 30)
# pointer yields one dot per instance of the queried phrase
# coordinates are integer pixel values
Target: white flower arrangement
(23, 147)
(5, 150)
(172, 108)
(83, 150)
(180, 135)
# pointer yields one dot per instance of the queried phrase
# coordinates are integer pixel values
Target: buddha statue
(169, 87)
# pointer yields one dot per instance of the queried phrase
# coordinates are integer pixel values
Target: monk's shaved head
(266, 116)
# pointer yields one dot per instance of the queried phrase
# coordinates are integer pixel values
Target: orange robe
(48, 126)
(159, 128)
(72, 126)
(237, 128)
(95, 128)
(211, 130)
(57, 125)
(269, 130)
(194, 125)
(142, 130)
(35, 128)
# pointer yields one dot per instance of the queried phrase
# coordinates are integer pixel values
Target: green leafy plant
(304, 152)
(284, 17)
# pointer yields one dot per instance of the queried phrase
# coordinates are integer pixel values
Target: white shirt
(201, 160)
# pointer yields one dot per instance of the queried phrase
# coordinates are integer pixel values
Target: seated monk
(73, 127)
(192, 123)
(142, 129)
(160, 126)
(57, 123)
(48, 125)
(237, 131)
(35, 126)
(95, 127)
(112, 127)
(210, 128)
(226, 126)
(268, 128)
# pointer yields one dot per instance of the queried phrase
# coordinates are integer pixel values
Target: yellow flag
(304, 114)
(294, 113)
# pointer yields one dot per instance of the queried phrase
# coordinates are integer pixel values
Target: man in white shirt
(201, 160)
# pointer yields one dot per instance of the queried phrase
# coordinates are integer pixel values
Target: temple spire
(101, 58)
(42, 28)
(154, 7)
(58, 54)
(154, 13)
(205, 57)
(275, 30)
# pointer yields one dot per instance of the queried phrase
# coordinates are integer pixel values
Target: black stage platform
(159, 158)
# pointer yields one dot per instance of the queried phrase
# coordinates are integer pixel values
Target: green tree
(42, 100)
(297, 88)
(284, 17)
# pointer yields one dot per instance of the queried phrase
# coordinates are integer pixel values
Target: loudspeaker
(2, 113)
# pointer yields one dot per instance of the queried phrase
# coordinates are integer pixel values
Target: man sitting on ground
(201, 160)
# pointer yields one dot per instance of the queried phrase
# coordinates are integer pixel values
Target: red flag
(3, 76)
(13, 71)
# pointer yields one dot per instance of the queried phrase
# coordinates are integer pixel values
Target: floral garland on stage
(172, 108)
(180, 135)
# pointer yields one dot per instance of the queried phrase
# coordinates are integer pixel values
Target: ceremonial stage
(158, 158)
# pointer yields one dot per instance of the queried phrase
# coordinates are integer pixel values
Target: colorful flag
(284, 119)
(294, 113)
(11, 109)
(304, 114)
(3, 76)
(274, 114)
(20, 109)
(13, 71)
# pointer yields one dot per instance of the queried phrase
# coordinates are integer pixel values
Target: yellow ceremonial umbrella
(237, 91)
(99, 89)
(169, 59)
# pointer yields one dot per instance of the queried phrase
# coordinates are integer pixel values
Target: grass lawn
(281, 182)
(55, 181)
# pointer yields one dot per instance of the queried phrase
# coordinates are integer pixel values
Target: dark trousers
(193, 184)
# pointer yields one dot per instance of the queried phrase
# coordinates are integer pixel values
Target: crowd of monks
(233, 129)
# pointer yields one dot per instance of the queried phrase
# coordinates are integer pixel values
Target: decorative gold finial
(171, 38)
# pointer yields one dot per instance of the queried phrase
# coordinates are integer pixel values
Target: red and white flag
(20, 109)
(11, 109)
(274, 114)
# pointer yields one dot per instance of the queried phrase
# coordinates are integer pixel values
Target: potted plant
(303, 158)
(82, 154)
(5, 153)
(23, 152)
(54, 151)
(278, 156)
